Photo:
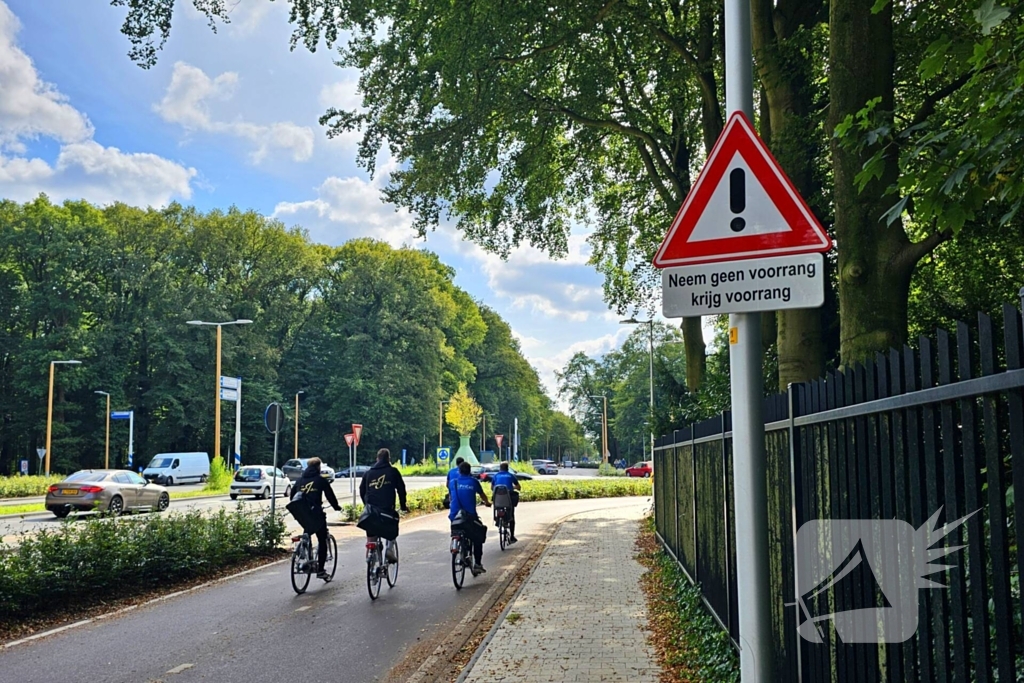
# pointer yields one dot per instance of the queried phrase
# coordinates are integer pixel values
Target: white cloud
(346, 208)
(30, 109)
(186, 103)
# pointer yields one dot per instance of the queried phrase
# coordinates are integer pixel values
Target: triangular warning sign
(742, 206)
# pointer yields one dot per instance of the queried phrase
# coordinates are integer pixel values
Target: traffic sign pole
(750, 494)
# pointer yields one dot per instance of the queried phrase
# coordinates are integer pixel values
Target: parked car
(113, 491)
(169, 469)
(360, 471)
(568, 463)
(545, 466)
(484, 472)
(293, 469)
(258, 480)
(641, 469)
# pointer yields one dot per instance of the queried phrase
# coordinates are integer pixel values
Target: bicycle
(304, 561)
(501, 516)
(377, 567)
(462, 556)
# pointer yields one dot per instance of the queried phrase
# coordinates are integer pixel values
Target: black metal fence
(900, 438)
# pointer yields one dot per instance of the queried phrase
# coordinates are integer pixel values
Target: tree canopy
(369, 333)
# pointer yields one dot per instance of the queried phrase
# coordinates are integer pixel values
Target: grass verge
(690, 645)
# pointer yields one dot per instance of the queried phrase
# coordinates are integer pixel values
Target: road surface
(255, 628)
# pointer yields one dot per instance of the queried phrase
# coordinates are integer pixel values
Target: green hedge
(88, 560)
(21, 487)
(429, 500)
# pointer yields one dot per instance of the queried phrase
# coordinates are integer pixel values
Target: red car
(641, 469)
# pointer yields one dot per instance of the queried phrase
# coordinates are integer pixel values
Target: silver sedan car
(113, 491)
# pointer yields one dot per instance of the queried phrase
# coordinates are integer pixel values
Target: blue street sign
(120, 415)
(403, 456)
(443, 453)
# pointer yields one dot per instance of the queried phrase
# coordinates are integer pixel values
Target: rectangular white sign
(228, 382)
(228, 395)
(749, 286)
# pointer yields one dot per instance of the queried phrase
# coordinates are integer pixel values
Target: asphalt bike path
(254, 628)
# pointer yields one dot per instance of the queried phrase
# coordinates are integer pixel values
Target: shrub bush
(588, 465)
(20, 487)
(423, 469)
(607, 470)
(220, 476)
(91, 559)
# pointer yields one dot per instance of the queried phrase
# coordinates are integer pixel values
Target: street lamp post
(604, 429)
(106, 451)
(49, 408)
(297, 423)
(216, 380)
(650, 324)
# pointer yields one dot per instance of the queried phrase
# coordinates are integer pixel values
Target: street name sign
(228, 394)
(229, 382)
(770, 284)
(121, 415)
(742, 206)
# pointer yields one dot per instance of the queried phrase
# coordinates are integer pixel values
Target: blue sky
(231, 119)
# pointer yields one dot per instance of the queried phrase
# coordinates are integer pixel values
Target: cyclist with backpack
(378, 488)
(464, 490)
(314, 487)
(505, 478)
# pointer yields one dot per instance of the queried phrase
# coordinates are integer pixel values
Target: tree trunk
(876, 259)
(784, 72)
(693, 344)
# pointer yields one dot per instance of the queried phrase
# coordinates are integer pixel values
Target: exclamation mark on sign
(737, 197)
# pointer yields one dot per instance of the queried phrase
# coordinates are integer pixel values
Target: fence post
(693, 500)
(675, 493)
(794, 491)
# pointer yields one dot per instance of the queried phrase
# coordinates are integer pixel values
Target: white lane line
(304, 608)
(178, 669)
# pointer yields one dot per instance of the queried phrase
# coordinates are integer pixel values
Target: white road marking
(178, 669)
(303, 609)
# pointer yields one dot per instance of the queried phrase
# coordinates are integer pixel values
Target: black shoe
(323, 575)
(512, 540)
(478, 569)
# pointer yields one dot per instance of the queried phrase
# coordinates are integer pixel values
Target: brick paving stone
(582, 614)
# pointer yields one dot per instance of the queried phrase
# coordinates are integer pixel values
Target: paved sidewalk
(581, 616)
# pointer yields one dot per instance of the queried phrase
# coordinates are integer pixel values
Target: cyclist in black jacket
(380, 484)
(314, 488)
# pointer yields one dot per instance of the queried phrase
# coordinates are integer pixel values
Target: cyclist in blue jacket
(505, 478)
(464, 490)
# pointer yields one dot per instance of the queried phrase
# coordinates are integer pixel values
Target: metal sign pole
(273, 484)
(750, 493)
(131, 439)
(352, 471)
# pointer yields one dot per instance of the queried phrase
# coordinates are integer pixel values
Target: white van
(168, 469)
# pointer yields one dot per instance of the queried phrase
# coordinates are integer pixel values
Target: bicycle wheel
(300, 575)
(458, 568)
(392, 571)
(331, 563)
(502, 534)
(373, 563)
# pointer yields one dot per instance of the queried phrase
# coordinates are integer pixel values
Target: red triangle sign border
(804, 233)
